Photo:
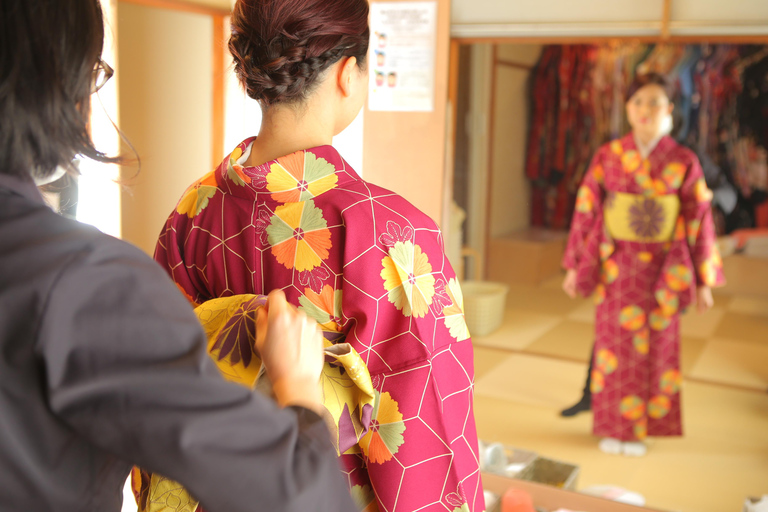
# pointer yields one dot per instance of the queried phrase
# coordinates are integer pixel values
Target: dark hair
(48, 51)
(281, 47)
(641, 80)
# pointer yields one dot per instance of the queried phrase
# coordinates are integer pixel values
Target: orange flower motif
(585, 200)
(385, 435)
(631, 161)
(300, 176)
(323, 307)
(702, 192)
(299, 236)
(616, 147)
(196, 197)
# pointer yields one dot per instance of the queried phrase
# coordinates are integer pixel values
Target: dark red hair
(281, 47)
(642, 80)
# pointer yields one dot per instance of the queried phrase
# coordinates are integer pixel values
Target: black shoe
(585, 404)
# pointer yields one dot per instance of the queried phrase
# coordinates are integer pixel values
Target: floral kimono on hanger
(370, 268)
(642, 239)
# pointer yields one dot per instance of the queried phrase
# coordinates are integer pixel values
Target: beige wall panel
(510, 208)
(166, 108)
(532, 11)
(519, 53)
(749, 11)
(405, 151)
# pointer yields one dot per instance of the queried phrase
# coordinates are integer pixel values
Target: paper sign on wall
(402, 57)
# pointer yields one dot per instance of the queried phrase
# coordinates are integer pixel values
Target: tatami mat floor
(535, 364)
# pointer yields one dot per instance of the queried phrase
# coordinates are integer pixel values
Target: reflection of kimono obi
(638, 218)
(230, 325)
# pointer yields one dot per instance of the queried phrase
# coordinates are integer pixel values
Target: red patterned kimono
(642, 239)
(370, 268)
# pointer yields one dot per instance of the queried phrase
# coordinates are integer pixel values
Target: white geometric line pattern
(308, 224)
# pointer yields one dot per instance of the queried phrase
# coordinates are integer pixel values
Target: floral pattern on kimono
(641, 281)
(371, 269)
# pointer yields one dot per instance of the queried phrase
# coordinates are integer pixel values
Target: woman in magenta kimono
(284, 210)
(643, 241)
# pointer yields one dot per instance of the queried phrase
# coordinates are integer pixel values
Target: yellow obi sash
(638, 218)
(230, 325)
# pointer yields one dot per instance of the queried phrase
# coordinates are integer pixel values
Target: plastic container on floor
(483, 306)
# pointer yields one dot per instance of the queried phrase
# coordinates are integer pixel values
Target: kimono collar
(21, 187)
(299, 176)
(646, 149)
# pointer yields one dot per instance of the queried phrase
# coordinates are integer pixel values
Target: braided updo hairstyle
(281, 47)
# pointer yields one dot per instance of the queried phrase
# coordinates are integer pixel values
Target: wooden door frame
(219, 18)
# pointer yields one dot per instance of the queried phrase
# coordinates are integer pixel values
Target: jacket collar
(21, 187)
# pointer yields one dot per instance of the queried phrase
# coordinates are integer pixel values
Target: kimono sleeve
(127, 369)
(696, 210)
(406, 308)
(589, 204)
(170, 254)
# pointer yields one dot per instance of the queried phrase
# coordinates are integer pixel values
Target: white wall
(166, 95)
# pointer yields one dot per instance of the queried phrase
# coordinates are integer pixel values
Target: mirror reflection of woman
(285, 210)
(643, 241)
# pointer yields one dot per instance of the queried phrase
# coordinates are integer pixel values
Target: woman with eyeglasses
(103, 364)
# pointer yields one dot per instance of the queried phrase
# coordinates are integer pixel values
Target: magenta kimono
(370, 268)
(642, 239)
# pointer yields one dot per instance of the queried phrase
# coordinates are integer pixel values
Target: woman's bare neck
(285, 131)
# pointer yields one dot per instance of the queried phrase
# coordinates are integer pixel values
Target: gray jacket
(103, 365)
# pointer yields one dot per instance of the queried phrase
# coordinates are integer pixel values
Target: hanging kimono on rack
(643, 240)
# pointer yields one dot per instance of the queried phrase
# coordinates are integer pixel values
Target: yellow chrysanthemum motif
(606, 361)
(645, 256)
(659, 406)
(670, 382)
(599, 297)
(632, 407)
(616, 147)
(668, 301)
(673, 174)
(702, 192)
(606, 249)
(454, 314)
(692, 229)
(678, 277)
(640, 341)
(610, 271)
(632, 318)
(680, 233)
(598, 173)
(640, 428)
(585, 200)
(597, 382)
(658, 320)
(631, 161)
(196, 197)
(300, 176)
(408, 278)
(710, 268)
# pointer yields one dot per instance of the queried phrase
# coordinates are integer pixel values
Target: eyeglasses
(101, 75)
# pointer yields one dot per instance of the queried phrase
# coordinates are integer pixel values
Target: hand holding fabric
(291, 348)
